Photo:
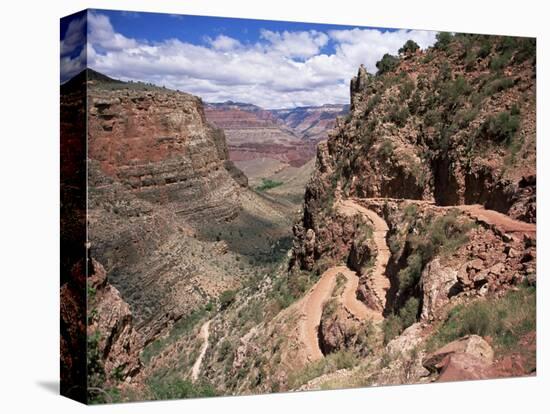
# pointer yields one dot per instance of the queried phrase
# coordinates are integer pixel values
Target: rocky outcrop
(337, 331)
(472, 345)
(469, 357)
(437, 283)
(160, 175)
(111, 329)
(73, 334)
(391, 144)
(158, 144)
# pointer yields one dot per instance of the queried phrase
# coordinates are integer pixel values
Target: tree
(443, 40)
(386, 64)
(409, 47)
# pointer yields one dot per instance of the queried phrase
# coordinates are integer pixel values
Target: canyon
(389, 241)
(270, 143)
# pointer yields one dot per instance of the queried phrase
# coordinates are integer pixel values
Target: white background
(29, 51)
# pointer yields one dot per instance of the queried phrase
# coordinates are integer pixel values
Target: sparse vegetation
(441, 236)
(395, 324)
(172, 388)
(268, 184)
(332, 362)
(505, 319)
(180, 328)
(227, 298)
(501, 127)
(386, 148)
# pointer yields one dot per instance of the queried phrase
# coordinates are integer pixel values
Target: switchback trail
(379, 283)
(203, 334)
(312, 304)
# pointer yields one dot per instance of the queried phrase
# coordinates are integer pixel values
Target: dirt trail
(500, 221)
(379, 282)
(350, 301)
(312, 304)
(203, 334)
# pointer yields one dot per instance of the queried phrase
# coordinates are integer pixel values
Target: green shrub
(386, 64)
(443, 39)
(95, 369)
(399, 115)
(330, 307)
(453, 92)
(372, 103)
(227, 298)
(405, 89)
(331, 363)
(394, 244)
(442, 236)
(226, 349)
(526, 49)
(268, 184)
(498, 85)
(470, 61)
(409, 312)
(485, 48)
(501, 127)
(392, 327)
(409, 47)
(465, 116)
(386, 148)
(432, 117)
(415, 103)
(410, 275)
(410, 211)
(499, 61)
(505, 319)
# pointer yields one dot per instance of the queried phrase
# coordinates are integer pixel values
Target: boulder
(407, 341)
(474, 353)
(460, 367)
(436, 283)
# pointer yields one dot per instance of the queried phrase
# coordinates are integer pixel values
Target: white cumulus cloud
(224, 43)
(282, 69)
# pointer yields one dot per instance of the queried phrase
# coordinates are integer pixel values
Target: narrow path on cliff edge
(312, 304)
(499, 221)
(203, 334)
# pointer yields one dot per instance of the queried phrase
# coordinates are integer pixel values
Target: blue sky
(269, 63)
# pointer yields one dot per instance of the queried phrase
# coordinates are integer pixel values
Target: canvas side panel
(73, 205)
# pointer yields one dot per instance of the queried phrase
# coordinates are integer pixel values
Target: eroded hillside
(414, 259)
(172, 224)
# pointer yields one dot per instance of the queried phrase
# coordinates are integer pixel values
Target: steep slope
(413, 236)
(254, 133)
(441, 146)
(414, 259)
(160, 175)
(311, 122)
